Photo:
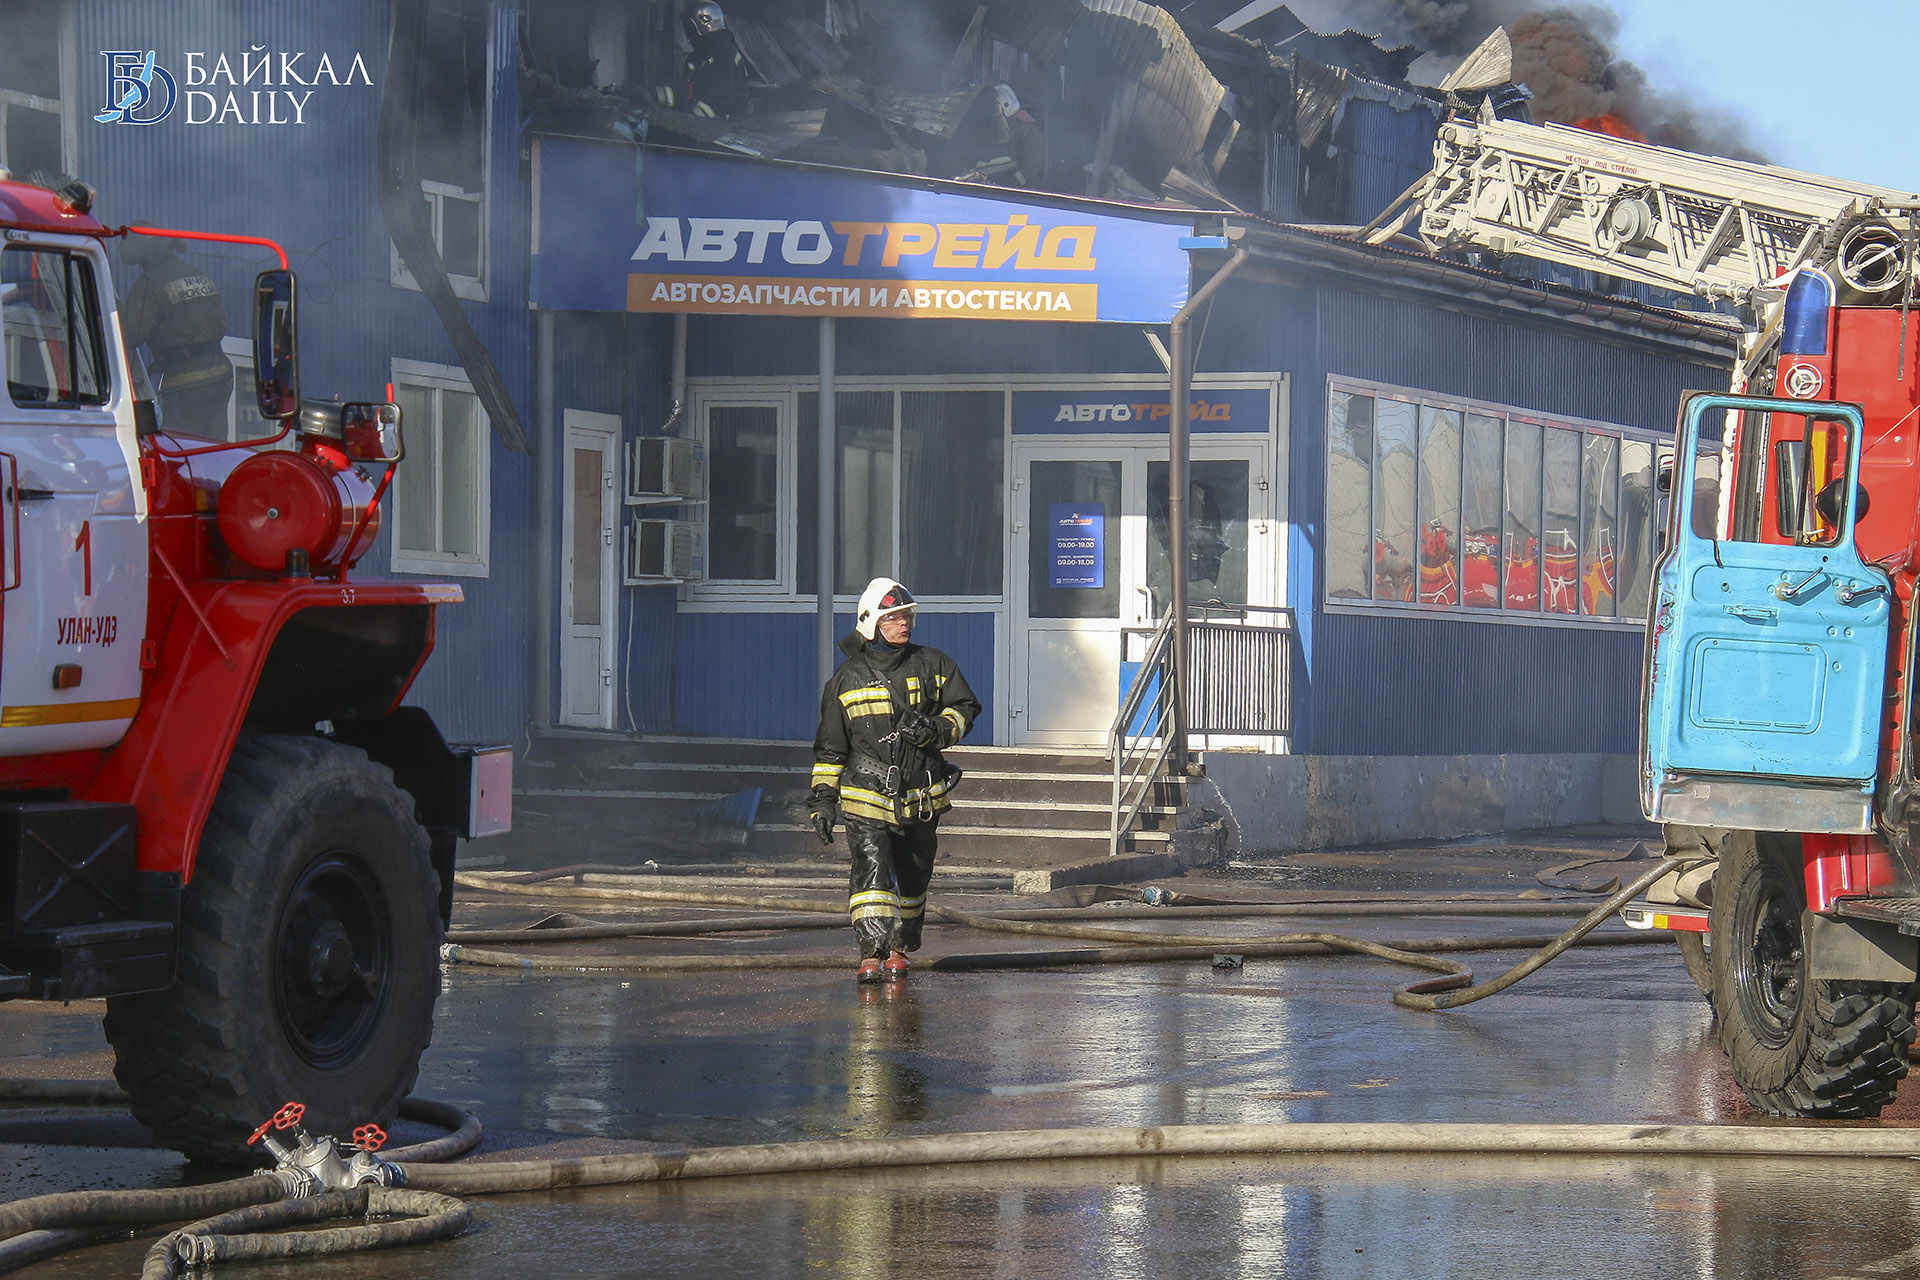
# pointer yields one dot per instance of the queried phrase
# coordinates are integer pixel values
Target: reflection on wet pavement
(579, 1064)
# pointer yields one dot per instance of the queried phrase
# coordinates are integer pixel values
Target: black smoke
(1563, 53)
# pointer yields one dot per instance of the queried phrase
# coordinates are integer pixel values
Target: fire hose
(420, 1205)
(1453, 989)
(43, 1226)
(433, 1214)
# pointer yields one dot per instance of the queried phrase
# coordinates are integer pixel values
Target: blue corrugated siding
(620, 364)
(1367, 685)
(748, 675)
(744, 346)
(312, 187)
(1411, 686)
(1388, 150)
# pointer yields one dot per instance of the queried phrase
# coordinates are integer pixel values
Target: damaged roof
(1118, 99)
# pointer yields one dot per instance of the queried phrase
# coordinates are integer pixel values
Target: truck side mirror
(372, 432)
(276, 367)
(1831, 502)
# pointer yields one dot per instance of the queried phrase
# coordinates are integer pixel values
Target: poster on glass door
(1076, 544)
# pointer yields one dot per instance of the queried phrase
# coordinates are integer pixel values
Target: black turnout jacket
(858, 752)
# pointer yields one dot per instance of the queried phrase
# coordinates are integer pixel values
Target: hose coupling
(193, 1250)
(295, 1183)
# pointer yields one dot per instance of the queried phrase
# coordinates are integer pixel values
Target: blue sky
(1823, 88)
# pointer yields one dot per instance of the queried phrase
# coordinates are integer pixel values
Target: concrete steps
(584, 798)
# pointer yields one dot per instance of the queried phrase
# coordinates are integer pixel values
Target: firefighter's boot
(869, 970)
(894, 969)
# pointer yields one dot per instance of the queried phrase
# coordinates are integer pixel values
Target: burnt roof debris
(1124, 99)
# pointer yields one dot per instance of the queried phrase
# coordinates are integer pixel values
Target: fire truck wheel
(309, 957)
(1799, 1046)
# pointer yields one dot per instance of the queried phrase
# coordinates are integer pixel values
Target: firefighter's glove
(825, 810)
(921, 730)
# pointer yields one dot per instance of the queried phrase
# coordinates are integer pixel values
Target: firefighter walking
(886, 714)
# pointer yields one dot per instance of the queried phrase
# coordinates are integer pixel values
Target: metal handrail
(1134, 769)
(1139, 759)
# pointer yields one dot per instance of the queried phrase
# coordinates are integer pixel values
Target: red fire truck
(1778, 717)
(214, 811)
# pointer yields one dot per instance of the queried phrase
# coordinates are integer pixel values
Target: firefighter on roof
(716, 69)
(886, 714)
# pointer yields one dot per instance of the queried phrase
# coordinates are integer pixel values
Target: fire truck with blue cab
(1778, 717)
(215, 811)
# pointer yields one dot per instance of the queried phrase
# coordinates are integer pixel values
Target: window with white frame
(1439, 503)
(35, 134)
(454, 137)
(919, 477)
(440, 501)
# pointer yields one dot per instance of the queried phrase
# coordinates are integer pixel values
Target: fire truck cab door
(1765, 663)
(73, 533)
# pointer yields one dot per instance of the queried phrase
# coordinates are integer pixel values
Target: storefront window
(919, 489)
(863, 489)
(1600, 505)
(1349, 495)
(1481, 472)
(743, 465)
(1439, 506)
(1449, 505)
(1560, 491)
(1521, 537)
(952, 480)
(1393, 500)
(1637, 523)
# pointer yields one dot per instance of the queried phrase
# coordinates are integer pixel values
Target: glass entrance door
(1075, 583)
(1090, 561)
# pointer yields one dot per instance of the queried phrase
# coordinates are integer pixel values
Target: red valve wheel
(289, 1115)
(369, 1137)
(261, 1132)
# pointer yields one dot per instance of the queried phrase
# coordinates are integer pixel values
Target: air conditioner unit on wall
(663, 469)
(656, 551)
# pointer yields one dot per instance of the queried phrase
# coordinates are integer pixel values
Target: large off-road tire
(309, 957)
(1799, 1046)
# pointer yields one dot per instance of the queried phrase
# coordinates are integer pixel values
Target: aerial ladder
(1717, 228)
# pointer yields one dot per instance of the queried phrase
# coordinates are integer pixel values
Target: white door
(1078, 577)
(589, 560)
(1090, 563)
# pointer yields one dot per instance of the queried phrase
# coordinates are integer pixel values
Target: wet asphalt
(590, 1062)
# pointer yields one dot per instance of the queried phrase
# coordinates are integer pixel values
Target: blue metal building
(1353, 405)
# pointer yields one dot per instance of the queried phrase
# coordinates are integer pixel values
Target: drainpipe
(543, 576)
(1179, 455)
(677, 384)
(823, 559)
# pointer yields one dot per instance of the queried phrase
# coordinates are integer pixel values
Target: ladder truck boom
(1672, 219)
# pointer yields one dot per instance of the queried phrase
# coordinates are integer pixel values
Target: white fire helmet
(706, 18)
(1008, 103)
(882, 597)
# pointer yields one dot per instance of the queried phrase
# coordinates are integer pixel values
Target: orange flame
(1611, 125)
